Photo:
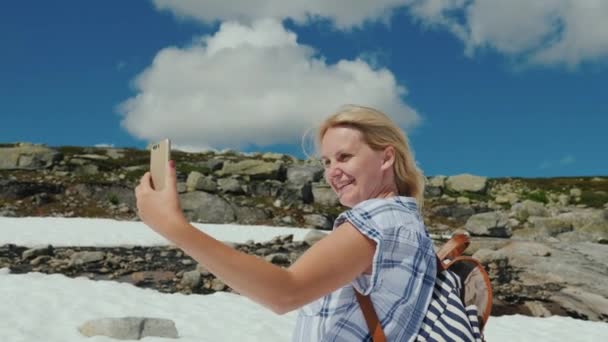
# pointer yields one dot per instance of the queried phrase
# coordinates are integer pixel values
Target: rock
(81, 258)
(115, 153)
(277, 258)
(302, 174)
(437, 181)
(586, 305)
(463, 200)
(466, 182)
(217, 285)
(527, 208)
(510, 198)
(313, 236)
(255, 169)
(191, 279)
(456, 211)
(495, 224)
(271, 155)
(28, 157)
(537, 309)
(575, 192)
(526, 248)
(129, 328)
(268, 188)
(318, 221)
(203, 207)
(231, 185)
(37, 251)
(197, 181)
(250, 215)
(550, 226)
(324, 195)
(563, 200)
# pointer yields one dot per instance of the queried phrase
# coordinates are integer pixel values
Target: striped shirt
(400, 286)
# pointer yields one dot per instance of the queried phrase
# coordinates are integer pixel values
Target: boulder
(466, 182)
(28, 157)
(323, 194)
(494, 224)
(302, 174)
(318, 221)
(129, 328)
(527, 208)
(255, 169)
(203, 207)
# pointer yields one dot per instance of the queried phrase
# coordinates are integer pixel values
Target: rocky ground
(543, 241)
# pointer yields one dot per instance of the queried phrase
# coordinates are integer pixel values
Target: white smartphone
(160, 154)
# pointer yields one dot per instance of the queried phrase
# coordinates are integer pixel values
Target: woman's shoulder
(398, 209)
(398, 203)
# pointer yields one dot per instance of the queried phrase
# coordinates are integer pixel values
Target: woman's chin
(347, 201)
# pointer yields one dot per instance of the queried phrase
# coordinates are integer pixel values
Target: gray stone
(230, 185)
(80, 258)
(217, 285)
(550, 226)
(26, 156)
(527, 208)
(255, 169)
(537, 309)
(466, 182)
(437, 181)
(495, 224)
(129, 328)
(526, 248)
(318, 221)
(314, 236)
(37, 251)
(302, 174)
(324, 195)
(191, 279)
(277, 258)
(250, 215)
(203, 207)
(575, 192)
(197, 181)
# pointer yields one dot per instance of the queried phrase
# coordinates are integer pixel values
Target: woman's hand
(160, 210)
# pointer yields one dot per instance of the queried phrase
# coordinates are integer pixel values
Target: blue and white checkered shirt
(401, 283)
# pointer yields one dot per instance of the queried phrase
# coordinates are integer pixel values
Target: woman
(379, 247)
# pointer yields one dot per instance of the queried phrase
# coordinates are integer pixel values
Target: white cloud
(343, 13)
(548, 32)
(251, 85)
(103, 145)
(567, 160)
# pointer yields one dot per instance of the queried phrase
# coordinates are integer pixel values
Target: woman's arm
(328, 265)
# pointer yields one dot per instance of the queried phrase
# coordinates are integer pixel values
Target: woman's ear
(388, 158)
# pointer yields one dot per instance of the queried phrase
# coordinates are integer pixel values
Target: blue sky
(475, 93)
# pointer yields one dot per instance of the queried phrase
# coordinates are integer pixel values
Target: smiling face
(354, 170)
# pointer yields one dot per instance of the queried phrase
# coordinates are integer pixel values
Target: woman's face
(353, 170)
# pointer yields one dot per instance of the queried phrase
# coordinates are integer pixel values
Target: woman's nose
(333, 171)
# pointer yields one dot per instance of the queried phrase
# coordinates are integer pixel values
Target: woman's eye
(344, 157)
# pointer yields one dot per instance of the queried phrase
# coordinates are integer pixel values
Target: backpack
(475, 290)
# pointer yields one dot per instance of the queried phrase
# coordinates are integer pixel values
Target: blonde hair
(379, 132)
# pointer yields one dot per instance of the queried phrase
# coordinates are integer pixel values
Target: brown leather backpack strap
(373, 324)
(454, 247)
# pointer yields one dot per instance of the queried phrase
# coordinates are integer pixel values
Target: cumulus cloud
(343, 13)
(548, 32)
(251, 84)
(565, 160)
